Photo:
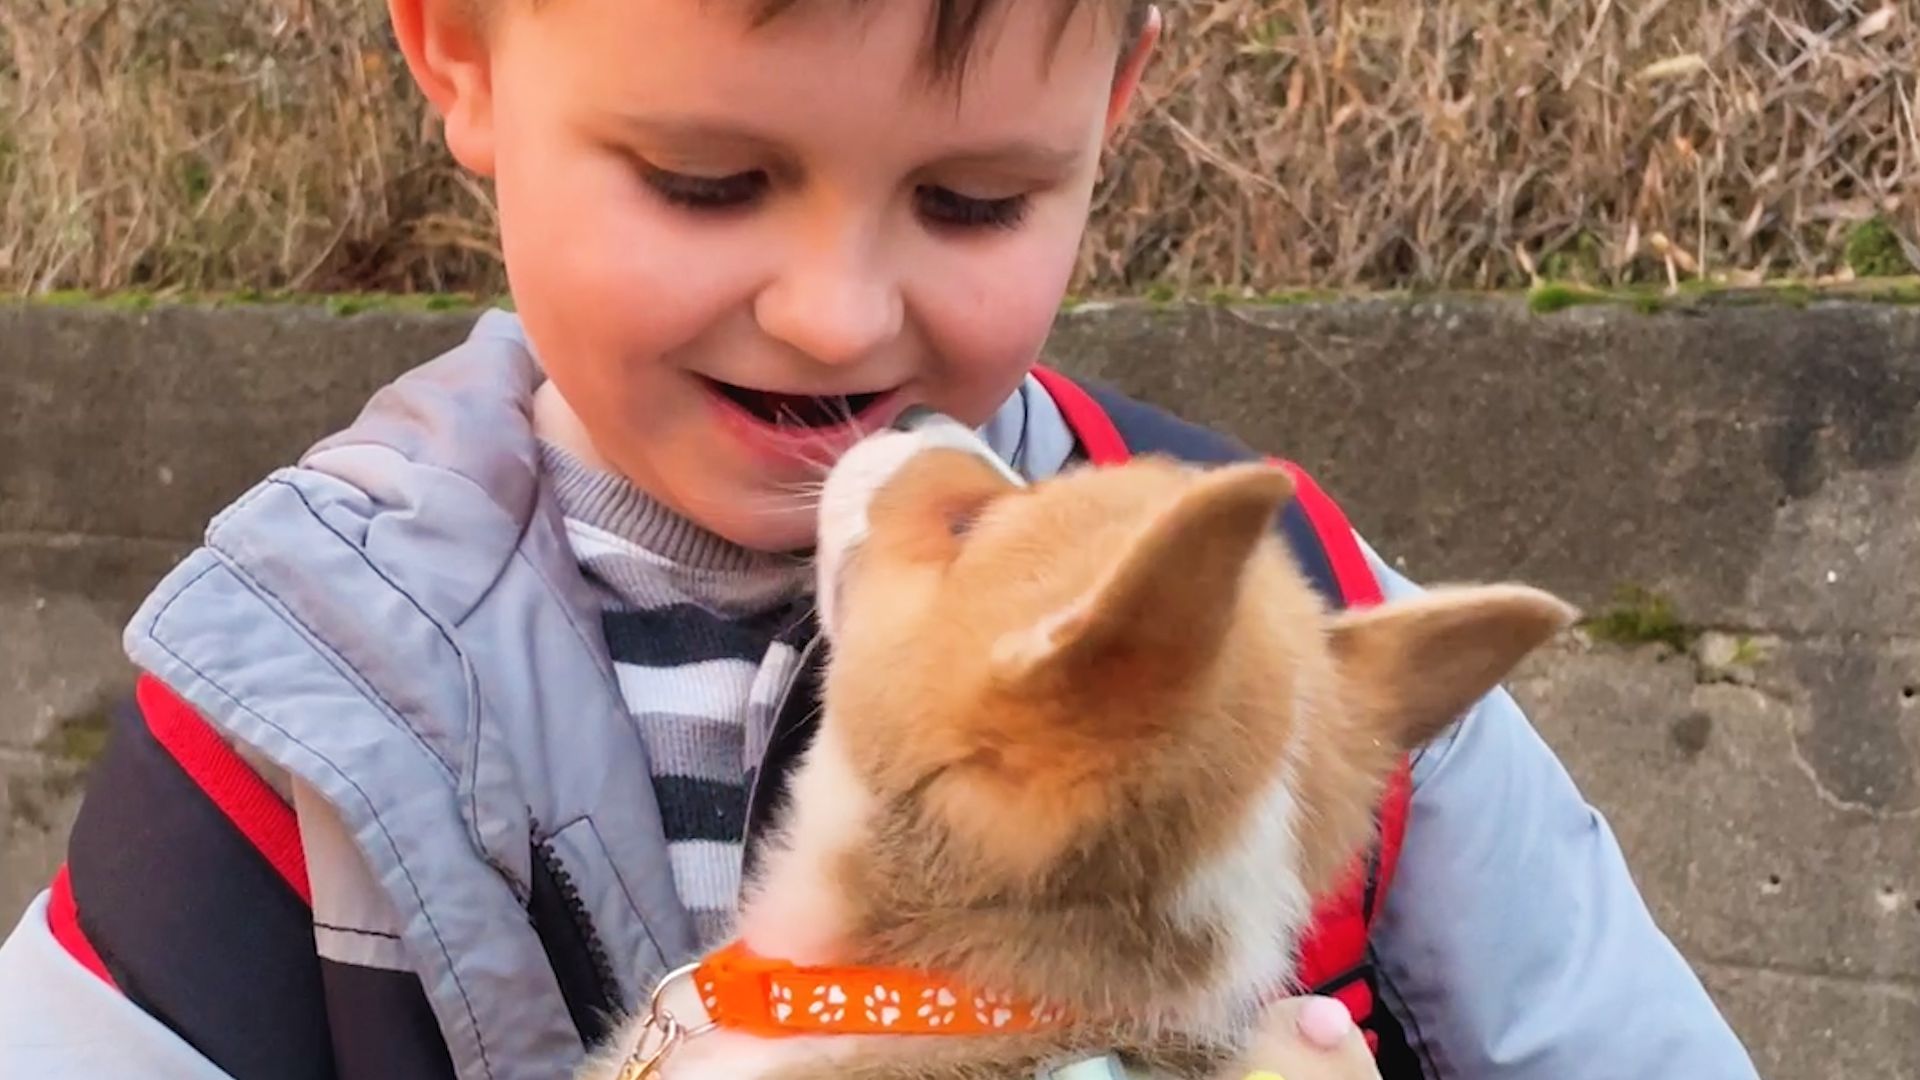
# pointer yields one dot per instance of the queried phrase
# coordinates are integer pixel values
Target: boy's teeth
(798, 410)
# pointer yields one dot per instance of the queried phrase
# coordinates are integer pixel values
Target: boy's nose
(837, 310)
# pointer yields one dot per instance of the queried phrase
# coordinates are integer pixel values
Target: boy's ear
(1133, 66)
(1411, 667)
(445, 43)
(1166, 600)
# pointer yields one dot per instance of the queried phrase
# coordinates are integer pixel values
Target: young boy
(448, 739)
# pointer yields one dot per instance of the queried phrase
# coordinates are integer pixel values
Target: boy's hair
(954, 25)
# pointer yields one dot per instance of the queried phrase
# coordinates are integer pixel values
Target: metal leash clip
(662, 1034)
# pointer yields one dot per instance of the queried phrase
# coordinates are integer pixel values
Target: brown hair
(954, 26)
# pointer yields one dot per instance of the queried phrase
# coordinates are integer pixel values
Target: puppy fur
(1094, 742)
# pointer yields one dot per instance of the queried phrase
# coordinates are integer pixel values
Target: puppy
(1089, 751)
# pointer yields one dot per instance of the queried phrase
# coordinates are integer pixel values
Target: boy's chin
(757, 527)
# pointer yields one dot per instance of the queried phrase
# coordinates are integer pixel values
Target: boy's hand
(1306, 1038)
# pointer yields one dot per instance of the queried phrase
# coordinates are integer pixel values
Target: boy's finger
(1325, 1023)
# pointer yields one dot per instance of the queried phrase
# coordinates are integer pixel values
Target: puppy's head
(1114, 687)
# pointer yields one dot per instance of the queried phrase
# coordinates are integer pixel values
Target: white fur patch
(1253, 894)
(804, 918)
(851, 485)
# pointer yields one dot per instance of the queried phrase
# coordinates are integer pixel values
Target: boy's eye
(706, 192)
(943, 206)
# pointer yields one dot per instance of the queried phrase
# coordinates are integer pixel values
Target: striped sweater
(704, 635)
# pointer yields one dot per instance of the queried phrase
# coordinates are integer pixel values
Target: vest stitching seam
(232, 563)
(580, 632)
(613, 865)
(318, 925)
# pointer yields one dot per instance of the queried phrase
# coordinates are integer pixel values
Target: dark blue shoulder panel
(1148, 429)
(194, 925)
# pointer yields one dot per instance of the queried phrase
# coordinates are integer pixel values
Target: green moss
(1310, 296)
(65, 298)
(1793, 294)
(1552, 296)
(1747, 652)
(349, 304)
(1641, 617)
(130, 300)
(1873, 251)
(1165, 294)
(78, 739)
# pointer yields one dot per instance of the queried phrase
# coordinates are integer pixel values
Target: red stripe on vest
(1394, 809)
(255, 809)
(63, 921)
(1350, 567)
(1084, 416)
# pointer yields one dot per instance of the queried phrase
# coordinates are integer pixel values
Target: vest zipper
(578, 957)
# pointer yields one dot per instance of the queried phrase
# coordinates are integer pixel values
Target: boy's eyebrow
(704, 133)
(1018, 154)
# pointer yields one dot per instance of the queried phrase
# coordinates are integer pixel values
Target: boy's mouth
(797, 410)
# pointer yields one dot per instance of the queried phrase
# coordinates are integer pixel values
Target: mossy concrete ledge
(1728, 485)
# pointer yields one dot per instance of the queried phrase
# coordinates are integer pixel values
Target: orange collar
(773, 998)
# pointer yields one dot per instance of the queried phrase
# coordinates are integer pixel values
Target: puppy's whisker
(816, 451)
(764, 504)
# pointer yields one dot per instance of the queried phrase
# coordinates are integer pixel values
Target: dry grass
(1287, 143)
(223, 143)
(1462, 142)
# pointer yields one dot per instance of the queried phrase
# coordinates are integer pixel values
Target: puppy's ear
(1411, 667)
(926, 509)
(1168, 597)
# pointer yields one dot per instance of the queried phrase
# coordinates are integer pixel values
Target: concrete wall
(1754, 466)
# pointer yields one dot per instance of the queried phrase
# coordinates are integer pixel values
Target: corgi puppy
(1089, 751)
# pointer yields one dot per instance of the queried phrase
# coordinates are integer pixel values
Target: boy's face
(722, 238)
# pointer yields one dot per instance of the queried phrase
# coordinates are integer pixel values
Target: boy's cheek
(988, 316)
(593, 245)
